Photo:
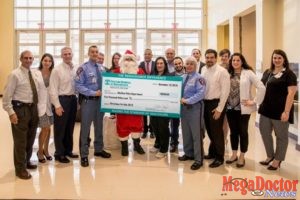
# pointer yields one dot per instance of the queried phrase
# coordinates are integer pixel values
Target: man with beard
(217, 91)
(179, 71)
(129, 124)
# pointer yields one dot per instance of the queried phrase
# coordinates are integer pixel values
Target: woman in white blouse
(241, 104)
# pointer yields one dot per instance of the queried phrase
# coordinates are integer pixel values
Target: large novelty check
(141, 94)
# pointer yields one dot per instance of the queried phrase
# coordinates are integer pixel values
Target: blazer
(202, 64)
(44, 105)
(247, 79)
(142, 65)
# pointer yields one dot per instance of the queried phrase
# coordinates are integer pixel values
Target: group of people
(215, 97)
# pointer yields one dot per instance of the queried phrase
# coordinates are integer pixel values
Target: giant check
(141, 94)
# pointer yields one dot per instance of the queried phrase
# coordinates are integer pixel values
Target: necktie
(148, 68)
(185, 81)
(33, 88)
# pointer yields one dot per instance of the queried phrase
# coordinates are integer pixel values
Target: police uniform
(193, 92)
(87, 82)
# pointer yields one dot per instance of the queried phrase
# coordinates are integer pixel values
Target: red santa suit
(129, 124)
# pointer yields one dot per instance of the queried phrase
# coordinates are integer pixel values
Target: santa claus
(129, 124)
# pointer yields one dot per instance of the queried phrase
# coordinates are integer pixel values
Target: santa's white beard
(129, 67)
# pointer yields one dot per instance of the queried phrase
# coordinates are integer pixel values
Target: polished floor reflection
(138, 176)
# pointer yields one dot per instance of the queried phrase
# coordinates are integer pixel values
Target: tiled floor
(138, 176)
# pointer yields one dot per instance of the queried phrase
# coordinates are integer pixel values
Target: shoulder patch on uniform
(79, 70)
(202, 81)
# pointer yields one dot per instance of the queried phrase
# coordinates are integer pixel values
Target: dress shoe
(271, 167)
(185, 157)
(102, 154)
(62, 159)
(48, 157)
(23, 175)
(173, 148)
(152, 135)
(196, 165)
(144, 135)
(160, 155)
(29, 165)
(267, 161)
(72, 155)
(216, 163)
(84, 162)
(240, 165)
(41, 160)
(231, 161)
(207, 157)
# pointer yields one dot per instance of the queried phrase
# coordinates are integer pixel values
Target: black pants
(24, 134)
(238, 125)
(214, 130)
(64, 125)
(174, 131)
(147, 126)
(160, 127)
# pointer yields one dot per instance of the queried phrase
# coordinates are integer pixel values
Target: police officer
(20, 102)
(88, 85)
(193, 94)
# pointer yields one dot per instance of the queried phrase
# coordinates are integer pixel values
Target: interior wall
(6, 41)
(248, 36)
(277, 26)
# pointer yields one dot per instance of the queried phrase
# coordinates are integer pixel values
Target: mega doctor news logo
(279, 188)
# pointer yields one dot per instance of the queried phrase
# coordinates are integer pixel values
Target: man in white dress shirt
(62, 96)
(20, 102)
(217, 91)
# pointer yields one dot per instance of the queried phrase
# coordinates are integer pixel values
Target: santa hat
(130, 54)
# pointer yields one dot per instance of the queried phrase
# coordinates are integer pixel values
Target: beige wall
(6, 41)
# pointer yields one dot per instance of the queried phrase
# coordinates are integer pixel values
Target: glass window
(161, 4)
(163, 38)
(56, 3)
(27, 18)
(27, 3)
(92, 3)
(141, 3)
(160, 18)
(28, 38)
(189, 3)
(141, 18)
(122, 3)
(54, 38)
(56, 18)
(122, 18)
(93, 18)
(74, 21)
(189, 18)
(94, 38)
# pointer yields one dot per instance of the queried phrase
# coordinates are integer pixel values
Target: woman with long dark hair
(277, 110)
(160, 125)
(241, 104)
(44, 106)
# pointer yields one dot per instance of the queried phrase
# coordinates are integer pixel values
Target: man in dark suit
(148, 67)
(196, 53)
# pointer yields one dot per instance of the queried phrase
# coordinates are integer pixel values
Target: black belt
(90, 97)
(17, 103)
(211, 100)
(67, 96)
